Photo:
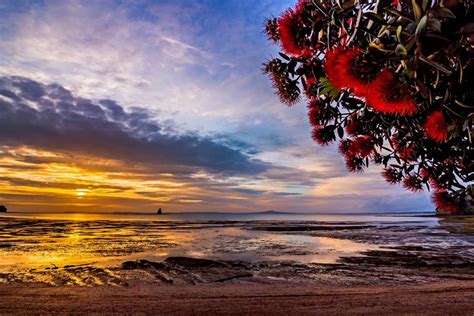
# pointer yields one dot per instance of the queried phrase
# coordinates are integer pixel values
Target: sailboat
(159, 211)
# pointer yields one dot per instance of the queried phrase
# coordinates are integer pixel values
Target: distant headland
(3, 209)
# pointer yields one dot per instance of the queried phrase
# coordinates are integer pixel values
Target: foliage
(392, 81)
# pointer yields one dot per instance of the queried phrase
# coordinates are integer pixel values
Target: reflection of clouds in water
(41, 243)
(260, 246)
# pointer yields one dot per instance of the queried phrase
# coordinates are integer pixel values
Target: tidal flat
(242, 264)
(178, 251)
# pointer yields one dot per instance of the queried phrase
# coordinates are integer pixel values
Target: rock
(3, 209)
(142, 264)
(195, 262)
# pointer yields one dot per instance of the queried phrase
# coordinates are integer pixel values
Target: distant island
(270, 212)
(3, 209)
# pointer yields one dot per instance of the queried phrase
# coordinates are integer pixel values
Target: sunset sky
(133, 105)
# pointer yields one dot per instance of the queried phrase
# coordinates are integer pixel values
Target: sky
(131, 105)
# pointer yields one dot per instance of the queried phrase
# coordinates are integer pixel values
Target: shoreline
(399, 267)
(273, 298)
(95, 253)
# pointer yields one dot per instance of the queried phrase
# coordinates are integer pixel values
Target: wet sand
(451, 298)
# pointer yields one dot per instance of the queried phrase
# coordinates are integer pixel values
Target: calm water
(200, 217)
(39, 241)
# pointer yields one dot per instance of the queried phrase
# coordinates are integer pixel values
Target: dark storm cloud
(50, 117)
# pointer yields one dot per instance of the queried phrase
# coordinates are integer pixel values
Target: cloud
(137, 79)
(50, 117)
(169, 55)
(122, 158)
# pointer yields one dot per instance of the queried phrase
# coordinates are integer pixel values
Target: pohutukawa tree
(392, 81)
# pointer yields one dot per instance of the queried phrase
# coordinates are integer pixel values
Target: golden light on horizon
(63, 182)
(59, 182)
(80, 193)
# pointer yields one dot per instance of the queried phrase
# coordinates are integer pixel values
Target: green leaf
(400, 50)
(399, 33)
(421, 28)
(328, 88)
(434, 25)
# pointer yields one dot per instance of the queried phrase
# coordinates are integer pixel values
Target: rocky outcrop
(3, 209)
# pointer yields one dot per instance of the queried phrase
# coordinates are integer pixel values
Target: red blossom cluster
(388, 95)
(395, 88)
(342, 71)
(354, 150)
(406, 152)
(435, 126)
(391, 175)
(383, 93)
(288, 27)
(445, 202)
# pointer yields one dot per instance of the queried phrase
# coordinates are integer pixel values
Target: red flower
(271, 29)
(310, 86)
(301, 6)
(286, 89)
(354, 164)
(288, 26)
(445, 203)
(391, 175)
(435, 126)
(406, 153)
(413, 183)
(354, 152)
(388, 95)
(313, 115)
(353, 128)
(341, 71)
(433, 181)
(344, 146)
(362, 146)
(321, 136)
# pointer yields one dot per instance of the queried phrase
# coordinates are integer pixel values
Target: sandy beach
(450, 298)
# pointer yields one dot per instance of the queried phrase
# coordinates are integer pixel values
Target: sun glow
(80, 193)
(98, 183)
